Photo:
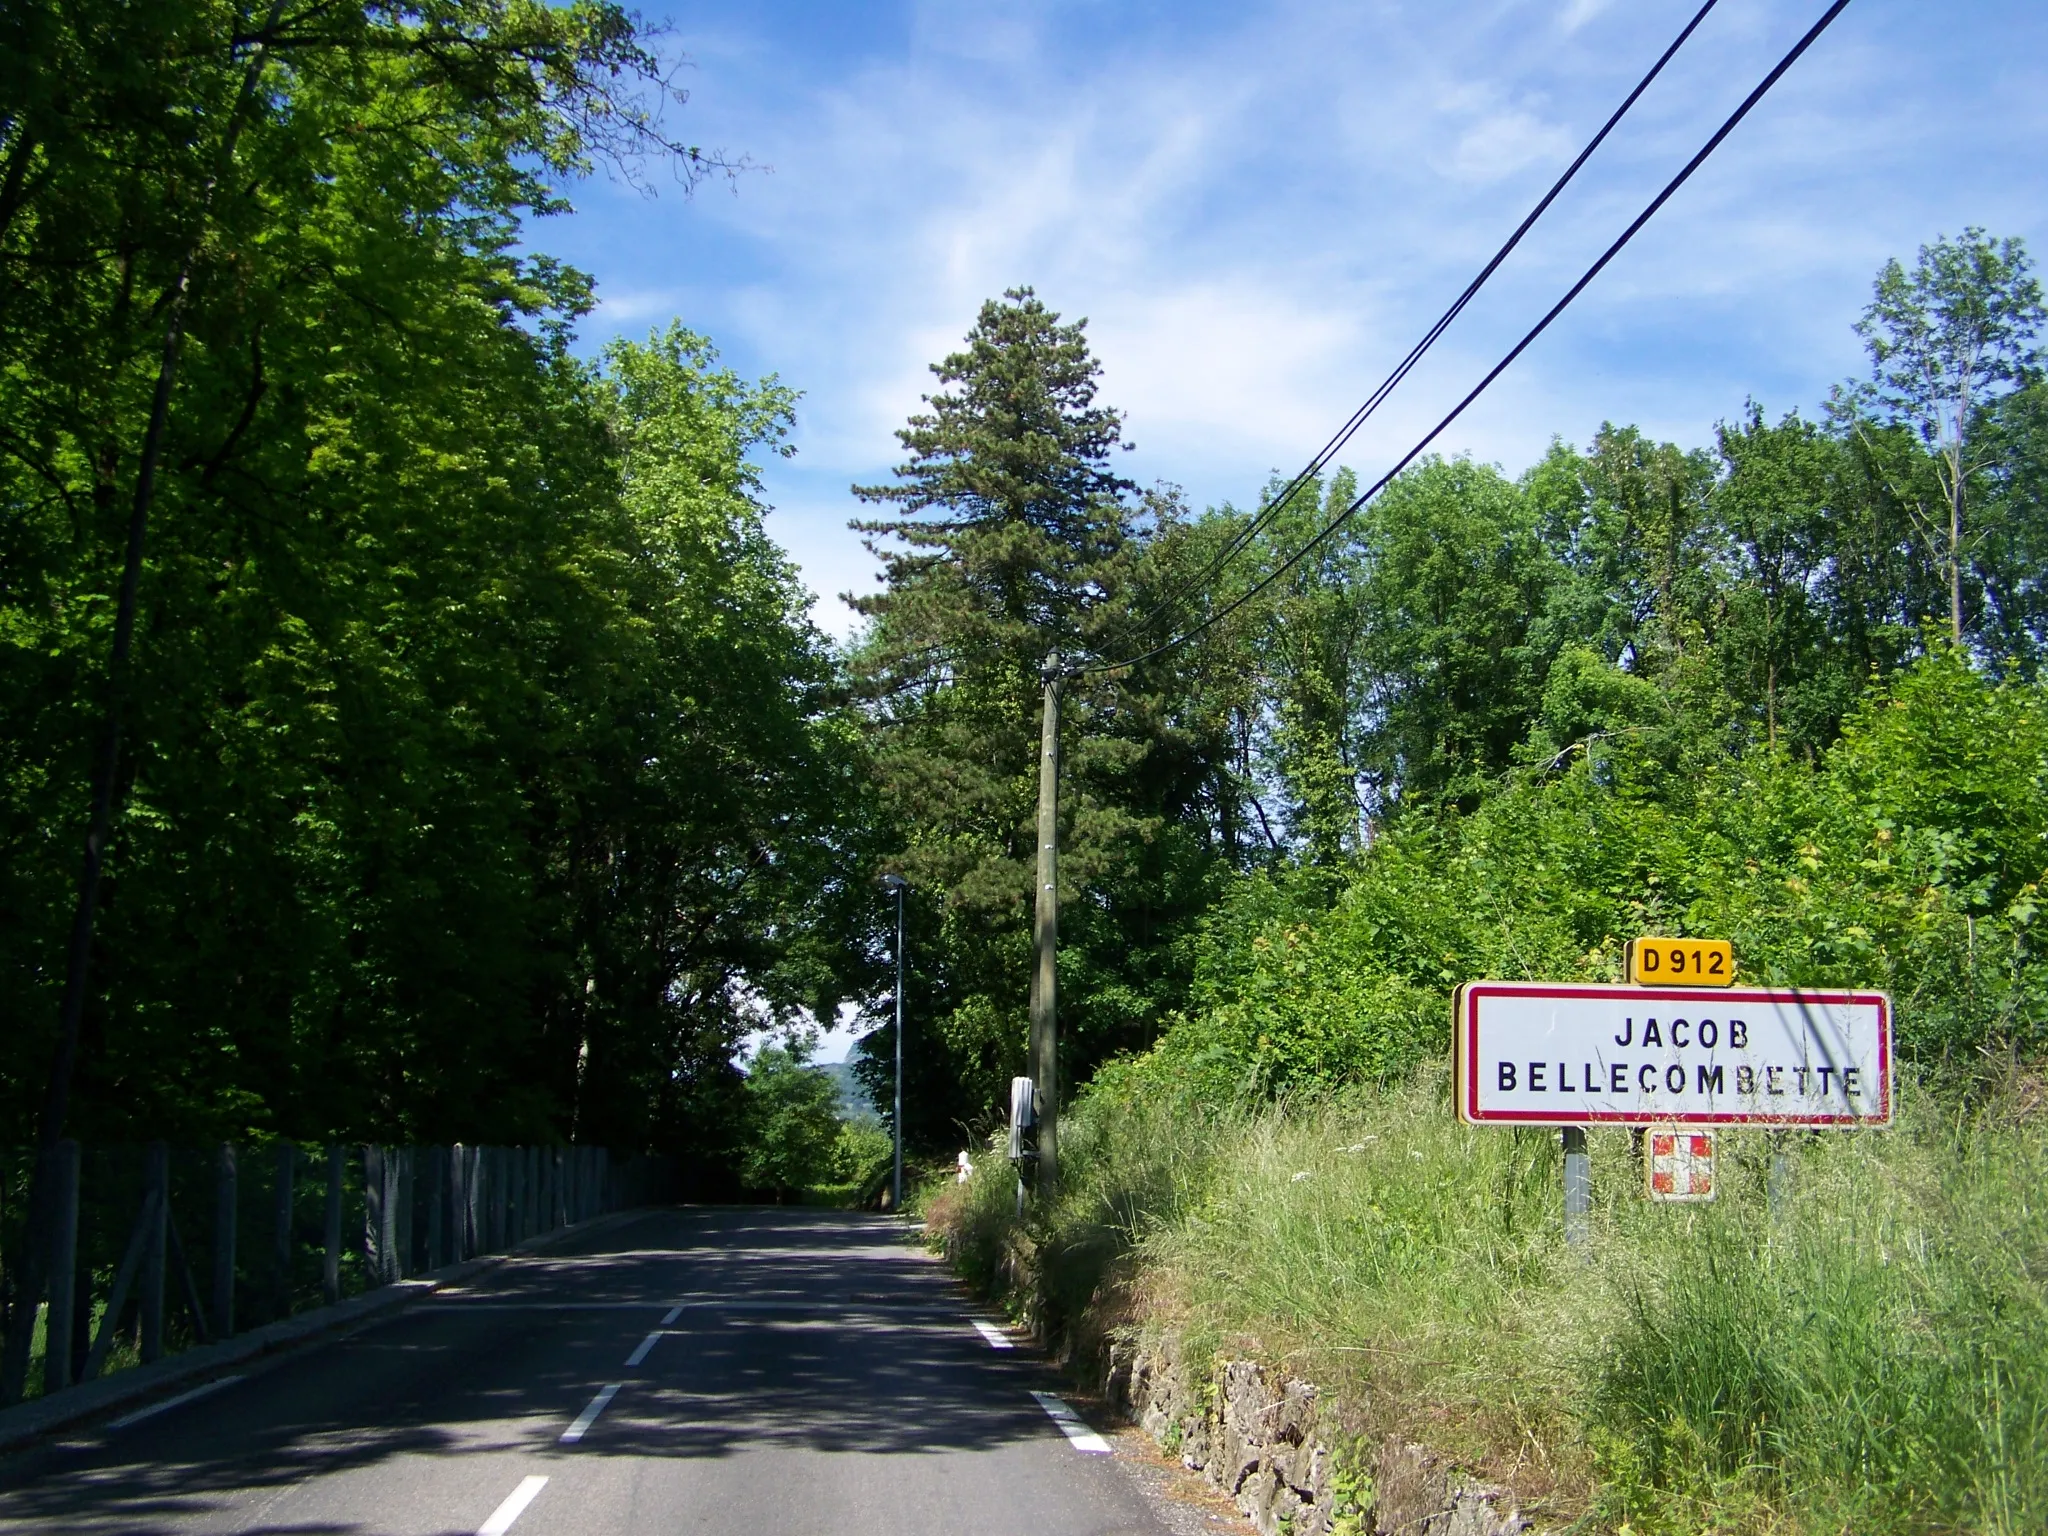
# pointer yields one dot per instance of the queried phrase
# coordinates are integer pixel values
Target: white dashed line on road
(172, 1402)
(1072, 1425)
(641, 1350)
(588, 1416)
(997, 1339)
(513, 1507)
(674, 1312)
(465, 1304)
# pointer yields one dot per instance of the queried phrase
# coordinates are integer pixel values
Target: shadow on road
(799, 1330)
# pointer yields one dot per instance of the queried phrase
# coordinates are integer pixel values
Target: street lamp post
(898, 885)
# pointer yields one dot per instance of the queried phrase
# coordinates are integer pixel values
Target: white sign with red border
(1578, 1053)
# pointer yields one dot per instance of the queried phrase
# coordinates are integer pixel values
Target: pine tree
(1009, 508)
(1014, 539)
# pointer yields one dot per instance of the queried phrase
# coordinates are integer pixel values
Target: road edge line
(1071, 1424)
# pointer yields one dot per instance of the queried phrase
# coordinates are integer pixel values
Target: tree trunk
(1955, 552)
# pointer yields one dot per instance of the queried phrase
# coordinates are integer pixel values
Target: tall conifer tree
(1015, 538)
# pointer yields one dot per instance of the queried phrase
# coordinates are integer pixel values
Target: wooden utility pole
(1045, 930)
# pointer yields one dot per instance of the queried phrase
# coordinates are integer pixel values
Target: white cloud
(1260, 208)
(1502, 143)
(1242, 364)
(622, 307)
(1578, 12)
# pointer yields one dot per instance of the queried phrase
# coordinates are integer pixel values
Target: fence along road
(121, 1247)
(792, 1371)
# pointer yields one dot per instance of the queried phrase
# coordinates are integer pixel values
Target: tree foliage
(482, 777)
(1016, 542)
(793, 1132)
(1493, 725)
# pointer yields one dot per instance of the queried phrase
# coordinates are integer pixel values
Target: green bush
(1908, 857)
(793, 1127)
(862, 1152)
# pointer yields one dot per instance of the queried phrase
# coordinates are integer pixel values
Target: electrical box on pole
(1021, 1117)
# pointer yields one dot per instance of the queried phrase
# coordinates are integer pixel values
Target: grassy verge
(1872, 1355)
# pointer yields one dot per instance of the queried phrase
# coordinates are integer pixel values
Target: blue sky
(1259, 206)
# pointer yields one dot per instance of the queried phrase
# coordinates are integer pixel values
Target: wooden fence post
(330, 1235)
(281, 1243)
(408, 1251)
(226, 1215)
(533, 1192)
(63, 1176)
(494, 1190)
(436, 1180)
(465, 1201)
(376, 1245)
(465, 1213)
(156, 1195)
(458, 1203)
(542, 1200)
(515, 1195)
(527, 1174)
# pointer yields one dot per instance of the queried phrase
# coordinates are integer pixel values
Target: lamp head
(894, 884)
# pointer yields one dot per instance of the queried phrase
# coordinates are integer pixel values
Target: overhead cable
(1635, 226)
(1233, 547)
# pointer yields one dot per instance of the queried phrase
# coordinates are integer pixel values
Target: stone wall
(1274, 1445)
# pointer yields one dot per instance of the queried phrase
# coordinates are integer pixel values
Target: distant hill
(853, 1099)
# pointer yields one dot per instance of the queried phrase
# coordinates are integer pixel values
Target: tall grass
(1875, 1360)
(1870, 1355)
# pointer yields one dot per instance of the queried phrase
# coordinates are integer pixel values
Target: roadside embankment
(1356, 1314)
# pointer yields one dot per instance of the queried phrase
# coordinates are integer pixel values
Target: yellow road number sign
(1696, 962)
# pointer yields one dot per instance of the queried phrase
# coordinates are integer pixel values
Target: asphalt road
(730, 1370)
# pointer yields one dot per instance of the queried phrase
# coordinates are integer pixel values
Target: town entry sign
(1585, 1053)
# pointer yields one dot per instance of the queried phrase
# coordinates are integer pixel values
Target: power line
(1748, 102)
(1344, 434)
